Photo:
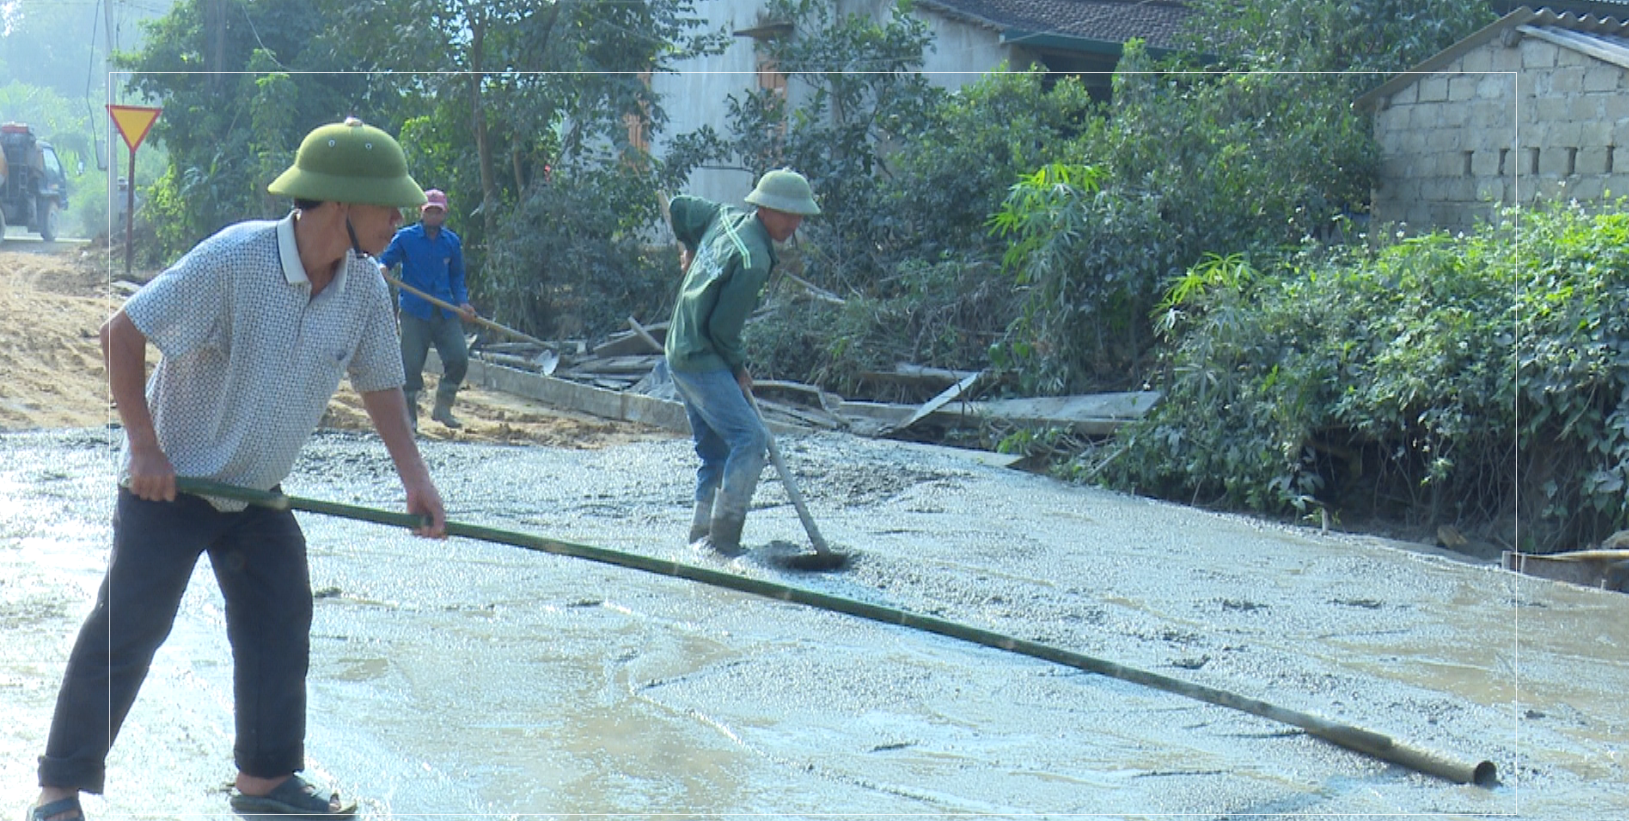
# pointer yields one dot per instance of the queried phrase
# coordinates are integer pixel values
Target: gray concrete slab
(466, 679)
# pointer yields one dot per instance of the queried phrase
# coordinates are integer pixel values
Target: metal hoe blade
(824, 558)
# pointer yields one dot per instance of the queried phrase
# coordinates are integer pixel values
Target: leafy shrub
(1184, 162)
(1437, 380)
(943, 184)
(571, 259)
(940, 315)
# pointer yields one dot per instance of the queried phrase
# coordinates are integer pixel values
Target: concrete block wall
(1499, 126)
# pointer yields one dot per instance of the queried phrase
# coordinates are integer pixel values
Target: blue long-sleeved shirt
(432, 265)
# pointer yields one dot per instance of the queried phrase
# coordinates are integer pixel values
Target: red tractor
(33, 186)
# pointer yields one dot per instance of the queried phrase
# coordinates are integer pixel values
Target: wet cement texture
(463, 679)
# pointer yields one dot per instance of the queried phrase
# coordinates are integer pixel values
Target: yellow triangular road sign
(133, 122)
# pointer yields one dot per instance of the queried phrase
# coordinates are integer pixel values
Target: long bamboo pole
(479, 320)
(1368, 742)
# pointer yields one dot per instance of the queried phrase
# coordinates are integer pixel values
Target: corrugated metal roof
(1600, 8)
(1114, 21)
(1610, 48)
(1588, 23)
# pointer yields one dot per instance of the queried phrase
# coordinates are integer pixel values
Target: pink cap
(434, 198)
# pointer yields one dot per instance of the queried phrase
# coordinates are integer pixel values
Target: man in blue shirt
(432, 260)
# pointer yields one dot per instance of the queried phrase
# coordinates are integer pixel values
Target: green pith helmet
(349, 162)
(784, 190)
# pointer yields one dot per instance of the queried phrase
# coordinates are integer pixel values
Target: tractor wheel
(46, 213)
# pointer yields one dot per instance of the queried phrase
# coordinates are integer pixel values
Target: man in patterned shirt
(256, 326)
(729, 255)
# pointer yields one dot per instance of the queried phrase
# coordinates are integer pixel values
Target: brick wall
(1501, 125)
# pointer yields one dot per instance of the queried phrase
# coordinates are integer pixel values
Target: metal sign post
(134, 123)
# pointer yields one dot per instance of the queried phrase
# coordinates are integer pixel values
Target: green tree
(1187, 162)
(1255, 151)
(49, 45)
(525, 84)
(944, 184)
(1356, 36)
(856, 92)
(450, 71)
(240, 85)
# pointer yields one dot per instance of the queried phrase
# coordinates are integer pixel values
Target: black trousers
(259, 559)
(446, 333)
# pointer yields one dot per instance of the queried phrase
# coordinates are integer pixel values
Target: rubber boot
(443, 411)
(701, 525)
(412, 409)
(725, 534)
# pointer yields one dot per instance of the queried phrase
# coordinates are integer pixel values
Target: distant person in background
(728, 255)
(432, 260)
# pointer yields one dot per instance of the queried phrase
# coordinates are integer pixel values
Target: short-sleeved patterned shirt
(250, 358)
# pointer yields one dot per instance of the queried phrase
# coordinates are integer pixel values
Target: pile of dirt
(50, 309)
(52, 302)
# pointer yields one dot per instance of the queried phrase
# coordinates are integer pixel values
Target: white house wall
(697, 92)
(963, 51)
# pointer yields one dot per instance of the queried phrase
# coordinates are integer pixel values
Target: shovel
(548, 360)
(824, 558)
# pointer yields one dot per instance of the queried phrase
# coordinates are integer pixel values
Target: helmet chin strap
(355, 246)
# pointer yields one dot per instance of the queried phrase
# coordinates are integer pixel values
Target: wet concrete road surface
(466, 679)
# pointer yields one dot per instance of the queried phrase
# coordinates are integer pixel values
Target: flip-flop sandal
(291, 799)
(66, 805)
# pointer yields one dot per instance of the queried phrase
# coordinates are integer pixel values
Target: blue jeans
(730, 439)
(447, 334)
(259, 559)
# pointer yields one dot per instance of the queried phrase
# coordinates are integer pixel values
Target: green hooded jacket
(733, 256)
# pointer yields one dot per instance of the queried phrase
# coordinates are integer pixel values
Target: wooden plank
(937, 402)
(639, 330)
(799, 414)
(629, 343)
(525, 363)
(617, 364)
(1095, 414)
(885, 413)
(576, 396)
(815, 290)
(813, 393)
(907, 373)
(1604, 569)
(520, 348)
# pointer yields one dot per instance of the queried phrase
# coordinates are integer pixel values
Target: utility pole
(111, 161)
(215, 31)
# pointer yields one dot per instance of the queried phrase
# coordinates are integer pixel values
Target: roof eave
(1371, 99)
(1580, 43)
(1071, 43)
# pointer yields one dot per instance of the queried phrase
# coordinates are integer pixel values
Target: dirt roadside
(51, 305)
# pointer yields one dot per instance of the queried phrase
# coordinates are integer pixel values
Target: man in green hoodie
(731, 255)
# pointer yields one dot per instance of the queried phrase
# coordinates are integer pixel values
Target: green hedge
(1474, 380)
